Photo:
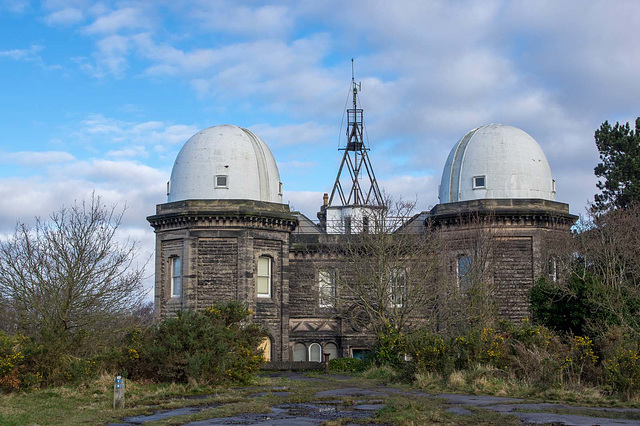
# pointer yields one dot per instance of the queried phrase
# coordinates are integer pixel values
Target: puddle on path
(298, 414)
(161, 415)
(294, 414)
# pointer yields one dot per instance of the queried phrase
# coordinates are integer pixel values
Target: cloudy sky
(102, 95)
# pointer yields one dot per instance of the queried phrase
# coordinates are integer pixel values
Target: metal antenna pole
(354, 158)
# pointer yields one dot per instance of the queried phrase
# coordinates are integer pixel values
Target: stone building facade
(225, 234)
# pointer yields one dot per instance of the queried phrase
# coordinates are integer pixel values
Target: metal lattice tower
(360, 187)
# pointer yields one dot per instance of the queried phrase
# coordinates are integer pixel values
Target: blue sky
(102, 95)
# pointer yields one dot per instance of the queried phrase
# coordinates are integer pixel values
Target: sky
(100, 96)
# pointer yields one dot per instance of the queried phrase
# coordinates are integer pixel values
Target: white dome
(511, 162)
(225, 163)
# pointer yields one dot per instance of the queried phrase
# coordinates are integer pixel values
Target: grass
(92, 403)
(486, 380)
(586, 412)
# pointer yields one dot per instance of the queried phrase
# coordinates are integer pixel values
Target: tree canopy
(619, 171)
(69, 274)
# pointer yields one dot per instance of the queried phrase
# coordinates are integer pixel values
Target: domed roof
(225, 162)
(496, 161)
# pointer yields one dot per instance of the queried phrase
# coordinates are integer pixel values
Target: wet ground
(359, 404)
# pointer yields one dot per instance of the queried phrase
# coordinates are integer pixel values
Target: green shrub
(429, 352)
(390, 347)
(580, 361)
(622, 366)
(19, 363)
(213, 346)
(383, 374)
(481, 346)
(348, 365)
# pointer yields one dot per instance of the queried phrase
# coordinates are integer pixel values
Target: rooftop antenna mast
(361, 185)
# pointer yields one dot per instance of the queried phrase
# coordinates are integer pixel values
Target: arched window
(332, 350)
(299, 352)
(264, 277)
(315, 353)
(265, 347)
(326, 288)
(175, 272)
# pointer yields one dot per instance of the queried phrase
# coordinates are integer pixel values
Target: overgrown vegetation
(525, 359)
(210, 347)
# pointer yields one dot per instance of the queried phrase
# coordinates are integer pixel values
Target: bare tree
(70, 274)
(607, 246)
(390, 270)
(467, 292)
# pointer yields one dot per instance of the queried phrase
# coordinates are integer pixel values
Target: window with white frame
(479, 182)
(326, 287)
(175, 272)
(264, 277)
(315, 352)
(463, 272)
(222, 181)
(398, 286)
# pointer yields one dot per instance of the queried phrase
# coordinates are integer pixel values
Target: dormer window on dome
(479, 182)
(222, 181)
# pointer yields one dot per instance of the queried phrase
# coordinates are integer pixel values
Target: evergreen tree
(619, 148)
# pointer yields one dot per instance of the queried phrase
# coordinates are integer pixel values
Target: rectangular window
(222, 181)
(463, 270)
(326, 288)
(479, 182)
(176, 276)
(264, 276)
(365, 225)
(398, 284)
(347, 225)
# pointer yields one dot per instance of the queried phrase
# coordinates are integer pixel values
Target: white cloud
(419, 189)
(30, 54)
(134, 151)
(162, 136)
(118, 182)
(35, 158)
(128, 18)
(238, 19)
(66, 16)
(15, 6)
(294, 134)
(306, 202)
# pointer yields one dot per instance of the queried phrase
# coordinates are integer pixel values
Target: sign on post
(118, 392)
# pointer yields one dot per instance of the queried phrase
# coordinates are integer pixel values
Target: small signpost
(118, 392)
(326, 362)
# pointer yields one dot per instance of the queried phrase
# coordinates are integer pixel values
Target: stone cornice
(507, 213)
(223, 214)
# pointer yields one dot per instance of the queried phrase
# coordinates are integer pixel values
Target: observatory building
(225, 234)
